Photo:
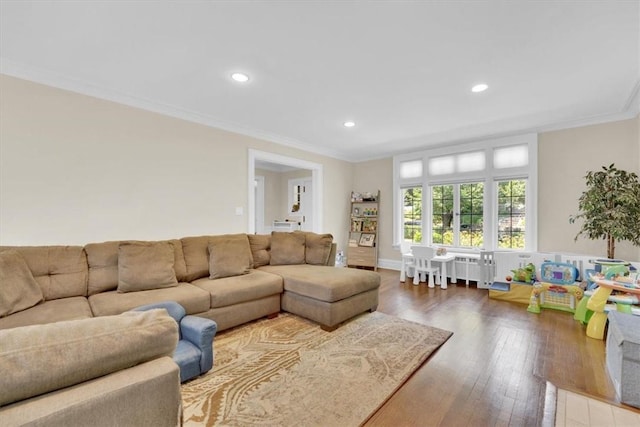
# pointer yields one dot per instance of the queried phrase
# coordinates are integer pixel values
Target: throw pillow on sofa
(229, 255)
(287, 248)
(18, 288)
(145, 265)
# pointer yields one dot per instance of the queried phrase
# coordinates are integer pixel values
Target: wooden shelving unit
(362, 250)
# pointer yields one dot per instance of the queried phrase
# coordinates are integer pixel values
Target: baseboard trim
(389, 264)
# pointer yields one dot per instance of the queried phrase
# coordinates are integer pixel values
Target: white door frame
(316, 179)
(259, 206)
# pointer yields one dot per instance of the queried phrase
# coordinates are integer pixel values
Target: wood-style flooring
(495, 368)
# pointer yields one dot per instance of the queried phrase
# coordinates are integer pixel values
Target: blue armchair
(194, 353)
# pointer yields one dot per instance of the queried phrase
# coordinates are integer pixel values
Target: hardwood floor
(495, 367)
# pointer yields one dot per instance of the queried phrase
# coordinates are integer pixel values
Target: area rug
(288, 372)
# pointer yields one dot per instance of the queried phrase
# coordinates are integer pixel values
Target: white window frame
(456, 209)
(489, 176)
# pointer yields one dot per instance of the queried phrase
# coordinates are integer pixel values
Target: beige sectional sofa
(231, 279)
(296, 275)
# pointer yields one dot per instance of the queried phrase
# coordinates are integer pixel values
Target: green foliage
(412, 210)
(413, 201)
(511, 240)
(610, 207)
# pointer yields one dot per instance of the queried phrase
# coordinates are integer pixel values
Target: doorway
(313, 199)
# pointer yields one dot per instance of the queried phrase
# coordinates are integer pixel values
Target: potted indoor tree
(610, 207)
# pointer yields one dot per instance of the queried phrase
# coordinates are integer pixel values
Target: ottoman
(623, 356)
(325, 294)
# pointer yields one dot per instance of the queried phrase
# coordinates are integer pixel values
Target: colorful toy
(557, 297)
(526, 274)
(558, 273)
(557, 288)
(597, 304)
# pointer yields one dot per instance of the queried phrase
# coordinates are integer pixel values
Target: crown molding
(49, 78)
(633, 103)
(12, 68)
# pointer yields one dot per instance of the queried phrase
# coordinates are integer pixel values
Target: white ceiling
(401, 70)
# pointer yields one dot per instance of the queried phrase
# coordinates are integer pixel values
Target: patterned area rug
(287, 371)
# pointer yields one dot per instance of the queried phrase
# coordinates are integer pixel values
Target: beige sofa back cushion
(18, 289)
(229, 255)
(260, 249)
(42, 358)
(196, 257)
(287, 248)
(61, 271)
(317, 248)
(103, 265)
(146, 265)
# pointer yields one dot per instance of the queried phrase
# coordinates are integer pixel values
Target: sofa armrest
(147, 394)
(200, 332)
(42, 358)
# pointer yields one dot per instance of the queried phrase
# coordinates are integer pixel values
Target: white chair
(422, 256)
(407, 268)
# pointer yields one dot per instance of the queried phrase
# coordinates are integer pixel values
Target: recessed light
(349, 124)
(480, 87)
(240, 77)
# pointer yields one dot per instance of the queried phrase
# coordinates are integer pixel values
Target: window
(298, 199)
(512, 214)
(411, 169)
(510, 157)
(460, 163)
(442, 214)
(412, 214)
(471, 214)
(474, 195)
(457, 214)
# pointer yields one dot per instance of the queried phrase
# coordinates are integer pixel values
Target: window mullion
(456, 215)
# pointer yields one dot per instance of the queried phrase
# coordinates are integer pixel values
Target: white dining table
(444, 260)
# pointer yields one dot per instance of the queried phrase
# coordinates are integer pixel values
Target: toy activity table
(597, 304)
(557, 297)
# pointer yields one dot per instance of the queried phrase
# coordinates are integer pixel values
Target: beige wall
(564, 158)
(372, 176)
(75, 169)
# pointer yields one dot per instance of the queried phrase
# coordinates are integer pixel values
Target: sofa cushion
(196, 257)
(260, 249)
(317, 247)
(234, 290)
(193, 299)
(55, 310)
(229, 255)
(61, 271)
(103, 266)
(287, 248)
(102, 259)
(18, 289)
(145, 265)
(42, 358)
(325, 283)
